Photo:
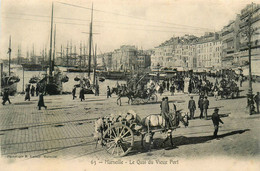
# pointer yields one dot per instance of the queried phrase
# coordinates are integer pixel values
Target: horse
(156, 121)
(127, 93)
(143, 126)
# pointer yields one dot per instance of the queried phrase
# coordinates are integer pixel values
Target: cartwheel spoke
(123, 147)
(114, 148)
(121, 132)
(125, 134)
(111, 146)
(114, 133)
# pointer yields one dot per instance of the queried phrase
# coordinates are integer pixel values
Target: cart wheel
(153, 98)
(119, 140)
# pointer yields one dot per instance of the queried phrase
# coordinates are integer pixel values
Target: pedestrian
(161, 90)
(172, 89)
(6, 96)
(108, 92)
(74, 93)
(257, 101)
(97, 90)
(168, 85)
(205, 107)
(216, 119)
(216, 93)
(27, 93)
(32, 90)
(165, 111)
(81, 94)
(37, 89)
(41, 102)
(241, 81)
(200, 106)
(192, 107)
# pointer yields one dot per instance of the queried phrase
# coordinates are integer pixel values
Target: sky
(143, 23)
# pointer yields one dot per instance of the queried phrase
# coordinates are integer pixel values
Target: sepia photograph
(129, 84)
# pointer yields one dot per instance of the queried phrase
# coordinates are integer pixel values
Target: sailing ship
(9, 81)
(52, 81)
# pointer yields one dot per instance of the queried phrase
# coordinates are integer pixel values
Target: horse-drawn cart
(144, 97)
(116, 134)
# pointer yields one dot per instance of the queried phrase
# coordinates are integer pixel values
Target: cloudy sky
(143, 23)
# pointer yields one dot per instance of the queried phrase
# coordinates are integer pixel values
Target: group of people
(28, 91)
(203, 105)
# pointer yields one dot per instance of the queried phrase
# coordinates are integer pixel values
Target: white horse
(154, 122)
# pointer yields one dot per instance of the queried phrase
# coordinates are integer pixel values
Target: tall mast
(50, 61)
(9, 51)
(80, 58)
(54, 45)
(67, 54)
(90, 40)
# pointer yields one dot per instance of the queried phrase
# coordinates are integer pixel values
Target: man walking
(192, 107)
(205, 107)
(27, 93)
(216, 119)
(41, 102)
(74, 92)
(165, 111)
(257, 101)
(200, 106)
(81, 94)
(32, 90)
(108, 92)
(6, 97)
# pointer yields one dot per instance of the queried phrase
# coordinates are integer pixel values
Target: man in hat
(257, 101)
(200, 106)
(41, 102)
(205, 106)
(6, 96)
(165, 111)
(191, 107)
(216, 119)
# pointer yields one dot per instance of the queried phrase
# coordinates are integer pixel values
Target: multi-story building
(143, 59)
(209, 51)
(124, 58)
(230, 41)
(249, 17)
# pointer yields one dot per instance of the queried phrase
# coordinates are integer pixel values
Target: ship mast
(50, 58)
(54, 46)
(9, 51)
(90, 43)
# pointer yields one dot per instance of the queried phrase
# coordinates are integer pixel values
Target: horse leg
(142, 140)
(171, 140)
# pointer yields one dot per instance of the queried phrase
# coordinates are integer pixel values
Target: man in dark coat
(32, 90)
(37, 90)
(165, 111)
(6, 97)
(257, 101)
(74, 92)
(81, 94)
(216, 119)
(108, 92)
(41, 102)
(27, 93)
(205, 107)
(200, 106)
(192, 107)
